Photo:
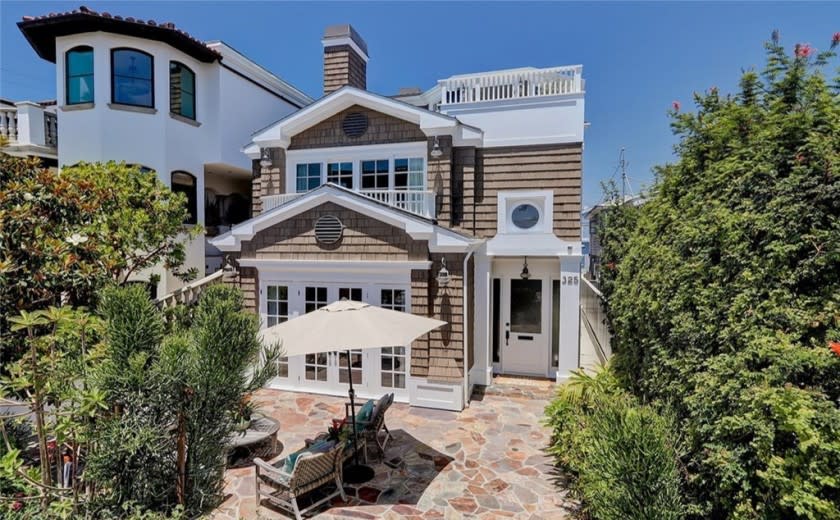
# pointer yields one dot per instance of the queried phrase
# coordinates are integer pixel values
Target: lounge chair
(311, 471)
(374, 429)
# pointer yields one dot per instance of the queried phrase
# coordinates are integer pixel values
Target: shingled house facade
(461, 202)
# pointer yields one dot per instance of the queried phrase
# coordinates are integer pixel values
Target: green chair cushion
(365, 412)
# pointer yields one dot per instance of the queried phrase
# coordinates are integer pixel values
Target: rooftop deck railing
(513, 84)
(420, 203)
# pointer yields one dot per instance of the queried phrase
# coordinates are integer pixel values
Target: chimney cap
(343, 31)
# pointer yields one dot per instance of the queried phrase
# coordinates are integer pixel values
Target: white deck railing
(28, 124)
(512, 84)
(418, 202)
(190, 292)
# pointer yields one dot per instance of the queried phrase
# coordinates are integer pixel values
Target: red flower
(17, 505)
(803, 50)
(835, 39)
(835, 347)
(800, 158)
(610, 266)
(676, 106)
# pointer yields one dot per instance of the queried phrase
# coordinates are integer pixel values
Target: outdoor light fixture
(525, 274)
(436, 151)
(265, 160)
(443, 277)
(229, 267)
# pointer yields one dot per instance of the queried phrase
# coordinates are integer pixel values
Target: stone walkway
(485, 462)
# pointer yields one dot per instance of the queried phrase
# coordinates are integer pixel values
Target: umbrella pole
(357, 473)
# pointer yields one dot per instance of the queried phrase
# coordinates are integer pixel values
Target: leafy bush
(727, 293)
(621, 454)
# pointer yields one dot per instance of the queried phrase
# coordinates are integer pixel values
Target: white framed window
(375, 174)
(393, 360)
(409, 174)
(340, 173)
(525, 211)
(307, 176)
(277, 311)
(315, 365)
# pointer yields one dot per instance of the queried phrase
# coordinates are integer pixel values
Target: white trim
(427, 394)
(345, 40)
(431, 123)
(441, 240)
(344, 266)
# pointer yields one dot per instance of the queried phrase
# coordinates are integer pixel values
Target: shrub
(621, 455)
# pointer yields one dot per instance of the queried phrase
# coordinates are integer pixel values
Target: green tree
(727, 292)
(64, 236)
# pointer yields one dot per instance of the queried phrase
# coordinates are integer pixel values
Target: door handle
(507, 334)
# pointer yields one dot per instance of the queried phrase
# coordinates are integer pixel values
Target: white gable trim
(431, 123)
(440, 240)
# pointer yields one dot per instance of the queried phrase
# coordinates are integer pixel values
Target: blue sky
(638, 57)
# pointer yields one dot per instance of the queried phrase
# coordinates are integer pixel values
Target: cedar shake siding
(439, 356)
(381, 129)
(271, 181)
(364, 238)
(343, 66)
(538, 167)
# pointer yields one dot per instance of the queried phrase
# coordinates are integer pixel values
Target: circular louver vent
(354, 124)
(328, 229)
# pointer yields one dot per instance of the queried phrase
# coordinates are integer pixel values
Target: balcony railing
(512, 84)
(29, 128)
(420, 203)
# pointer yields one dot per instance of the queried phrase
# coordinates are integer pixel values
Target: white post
(483, 367)
(30, 125)
(569, 352)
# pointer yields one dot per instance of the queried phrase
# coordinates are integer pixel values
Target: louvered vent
(328, 229)
(355, 124)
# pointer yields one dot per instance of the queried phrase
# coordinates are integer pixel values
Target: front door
(525, 333)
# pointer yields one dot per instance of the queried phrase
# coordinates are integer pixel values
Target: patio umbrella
(349, 325)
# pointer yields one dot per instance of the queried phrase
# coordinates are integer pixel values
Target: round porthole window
(525, 216)
(328, 229)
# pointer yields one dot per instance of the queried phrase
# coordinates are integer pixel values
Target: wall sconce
(443, 277)
(265, 159)
(525, 274)
(229, 266)
(436, 152)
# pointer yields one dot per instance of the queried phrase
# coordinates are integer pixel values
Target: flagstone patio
(485, 462)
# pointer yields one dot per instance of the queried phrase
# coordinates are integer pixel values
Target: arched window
(183, 182)
(78, 74)
(181, 90)
(132, 78)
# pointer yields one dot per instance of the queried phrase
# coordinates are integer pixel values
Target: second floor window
(308, 177)
(79, 75)
(408, 174)
(375, 175)
(181, 90)
(183, 182)
(341, 174)
(132, 78)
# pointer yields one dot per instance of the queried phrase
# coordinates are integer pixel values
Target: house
(592, 219)
(149, 94)
(461, 202)
(29, 129)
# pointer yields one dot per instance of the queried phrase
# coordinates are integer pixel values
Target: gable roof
(41, 32)
(279, 134)
(440, 239)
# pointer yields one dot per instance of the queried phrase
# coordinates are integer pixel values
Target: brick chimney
(345, 58)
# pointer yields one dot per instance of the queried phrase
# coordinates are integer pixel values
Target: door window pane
(555, 322)
(393, 365)
(277, 311)
(353, 294)
(526, 306)
(316, 297)
(341, 174)
(355, 366)
(131, 78)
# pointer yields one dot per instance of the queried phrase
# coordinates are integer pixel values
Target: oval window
(525, 216)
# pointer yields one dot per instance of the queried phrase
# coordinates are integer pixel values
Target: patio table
(261, 429)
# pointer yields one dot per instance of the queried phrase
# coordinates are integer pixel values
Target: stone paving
(485, 462)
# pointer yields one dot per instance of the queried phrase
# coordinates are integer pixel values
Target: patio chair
(311, 471)
(372, 430)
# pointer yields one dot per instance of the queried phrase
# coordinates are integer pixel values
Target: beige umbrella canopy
(347, 325)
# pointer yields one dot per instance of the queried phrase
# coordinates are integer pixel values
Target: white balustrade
(29, 124)
(513, 84)
(8, 123)
(413, 201)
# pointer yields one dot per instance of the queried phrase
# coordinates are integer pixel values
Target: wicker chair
(311, 471)
(371, 431)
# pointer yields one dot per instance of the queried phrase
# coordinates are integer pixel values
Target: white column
(482, 371)
(30, 123)
(569, 355)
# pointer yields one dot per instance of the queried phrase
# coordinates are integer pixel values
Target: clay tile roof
(41, 31)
